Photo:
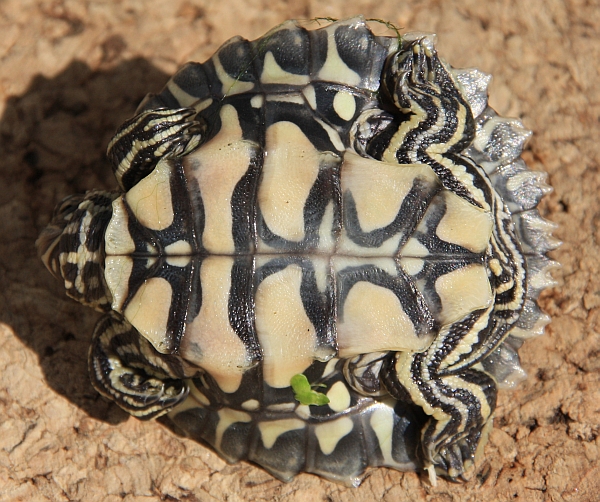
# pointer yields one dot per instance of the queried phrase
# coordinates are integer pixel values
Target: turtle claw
(452, 459)
(417, 73)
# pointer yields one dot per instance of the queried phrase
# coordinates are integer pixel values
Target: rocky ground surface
(72, 71)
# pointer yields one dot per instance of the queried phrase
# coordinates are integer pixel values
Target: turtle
(322, 255)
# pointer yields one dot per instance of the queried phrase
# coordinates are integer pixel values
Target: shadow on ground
(52, 144)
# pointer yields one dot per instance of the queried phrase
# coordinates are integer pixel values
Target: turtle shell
(305, 223)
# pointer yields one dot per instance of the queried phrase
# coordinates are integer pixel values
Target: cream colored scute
(463, 291)
(344, 105)
(117, 271)
(218, 166)
(231, 85)
(148, 312)
(182, 97)
(285, 333)
(209, 340)
(382, 423)
(273, 73)
(228, 417)
(412, 266)
(331, 433)
(339, 397)
(465, 224)
(150, 200)
(179, 248)
(379, 188)
(311, 96)
(272, 429)
(414, 249)
(290, 170)
(373, 320)
(334, 69)
(117, 239)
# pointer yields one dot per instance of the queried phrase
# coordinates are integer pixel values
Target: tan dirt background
(72, 71)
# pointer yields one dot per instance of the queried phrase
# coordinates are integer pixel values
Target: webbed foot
(125, 368)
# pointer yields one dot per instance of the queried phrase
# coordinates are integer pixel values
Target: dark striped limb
(141, 142)
(125, 368)
(459, 402)
(437, 125)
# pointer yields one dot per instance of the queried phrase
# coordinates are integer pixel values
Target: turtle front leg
(432, 122)
(127, 369)
(153, 135)
(460, 401)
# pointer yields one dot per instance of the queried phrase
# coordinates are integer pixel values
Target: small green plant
(304, 394)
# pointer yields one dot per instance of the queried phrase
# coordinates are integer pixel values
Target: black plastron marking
(319, 307)
(241, 304)
(401, 285)
(281, 111)
(411, 212)
(150, 260)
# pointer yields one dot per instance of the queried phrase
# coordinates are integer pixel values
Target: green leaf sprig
(304, 394)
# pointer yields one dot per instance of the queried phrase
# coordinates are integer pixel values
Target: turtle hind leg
(458, 396)
(125, 368)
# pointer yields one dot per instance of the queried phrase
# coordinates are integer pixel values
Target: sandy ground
(72, 71)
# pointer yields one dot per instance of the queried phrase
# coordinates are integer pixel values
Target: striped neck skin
(72, 246)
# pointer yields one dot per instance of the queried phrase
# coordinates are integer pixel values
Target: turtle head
(72, 246)
(412, 74)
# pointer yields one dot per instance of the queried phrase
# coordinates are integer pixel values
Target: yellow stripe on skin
(397, 140)
(465, 345)
(460, 173)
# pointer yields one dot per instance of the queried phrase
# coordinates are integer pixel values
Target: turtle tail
(72, 246)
